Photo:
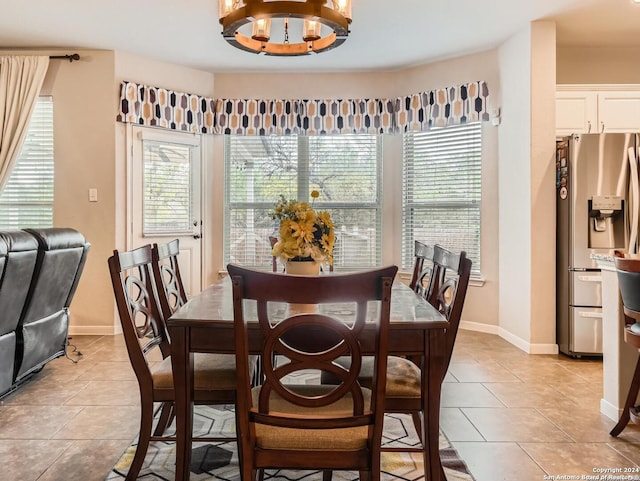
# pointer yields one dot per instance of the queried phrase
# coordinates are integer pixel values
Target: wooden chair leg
(631, 399)
(146, 424)
(327, 474)
(417, 424)
(166, 415)
(366, 475)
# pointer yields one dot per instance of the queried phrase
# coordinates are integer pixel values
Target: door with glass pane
(166, 200)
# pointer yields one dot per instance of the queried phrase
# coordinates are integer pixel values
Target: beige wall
(514, 181)
(526, 189)
(543, 193)
(598, 65)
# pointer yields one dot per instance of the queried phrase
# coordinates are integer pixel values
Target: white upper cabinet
(619, 111)
(576, 112)
(595, 108)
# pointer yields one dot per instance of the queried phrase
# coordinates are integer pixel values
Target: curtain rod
(71, 57)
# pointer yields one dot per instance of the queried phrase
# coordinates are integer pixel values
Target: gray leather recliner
(20, 251)
(44, 323)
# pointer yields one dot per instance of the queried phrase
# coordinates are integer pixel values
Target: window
(442, 190)
(346, 169)
(167, 202)
(27, 197)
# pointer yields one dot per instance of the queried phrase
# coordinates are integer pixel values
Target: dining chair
(628, 273)
(167, 277)
(274, 259)
(311, 426)
(404, 392)
(422, 281)
(145, 333)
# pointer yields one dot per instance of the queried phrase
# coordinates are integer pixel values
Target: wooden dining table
(205, 324)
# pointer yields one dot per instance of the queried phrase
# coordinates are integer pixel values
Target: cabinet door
(618, 111)
(576, 112)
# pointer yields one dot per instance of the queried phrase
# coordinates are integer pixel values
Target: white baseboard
(507, 336)
(107, 330)
(527, 346)
(609, 410)
(479, 327)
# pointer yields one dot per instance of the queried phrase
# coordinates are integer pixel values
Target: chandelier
(321, 25)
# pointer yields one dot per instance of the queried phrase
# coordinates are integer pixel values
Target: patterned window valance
(158, 107)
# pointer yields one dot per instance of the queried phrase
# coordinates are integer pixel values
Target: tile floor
(511, 416)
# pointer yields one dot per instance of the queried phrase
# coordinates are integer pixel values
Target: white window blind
(442, 191)
(345, 169)
(27, 197)
(167, 193)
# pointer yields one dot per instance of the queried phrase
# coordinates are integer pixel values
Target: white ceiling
(384, 34)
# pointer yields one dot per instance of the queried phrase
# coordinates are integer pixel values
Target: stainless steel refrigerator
(596, 177)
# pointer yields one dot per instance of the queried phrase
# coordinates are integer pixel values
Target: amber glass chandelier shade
(261, 30)
(343, 7)
(311, 31)
(324, 25)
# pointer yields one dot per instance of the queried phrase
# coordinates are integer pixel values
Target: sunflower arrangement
(305, 234)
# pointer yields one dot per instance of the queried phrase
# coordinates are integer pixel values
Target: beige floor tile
(109, 371)
(35, 422)
(110, 354)
(481, 372)
(64, 369)
(579, 390)
(46, 391)
(107, 393)
(628, 444)
(26, 460)
(498, 462)
(457, 427)
(86, 460)
(583, 425)
(514, 424)
(468, 394)
(518, 395)
(543, 372)
(103, 422)
(575, 458)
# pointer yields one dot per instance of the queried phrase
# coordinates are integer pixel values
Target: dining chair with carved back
(422, 280)
(404, 391)
(311, 426)
(148, 347)
(167, 276)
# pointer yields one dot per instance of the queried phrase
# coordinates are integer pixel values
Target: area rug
(219, 461)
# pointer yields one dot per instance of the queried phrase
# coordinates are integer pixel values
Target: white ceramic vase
(302, 268)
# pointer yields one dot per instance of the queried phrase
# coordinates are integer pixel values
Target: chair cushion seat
(403, 376)
(211, 372)
(344, 439)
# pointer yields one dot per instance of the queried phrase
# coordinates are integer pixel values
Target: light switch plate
(93, 195)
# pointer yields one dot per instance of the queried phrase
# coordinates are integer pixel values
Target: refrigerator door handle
(590, 278)
(591, 314)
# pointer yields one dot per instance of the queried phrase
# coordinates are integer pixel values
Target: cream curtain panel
(21, 79)
(158, 107)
